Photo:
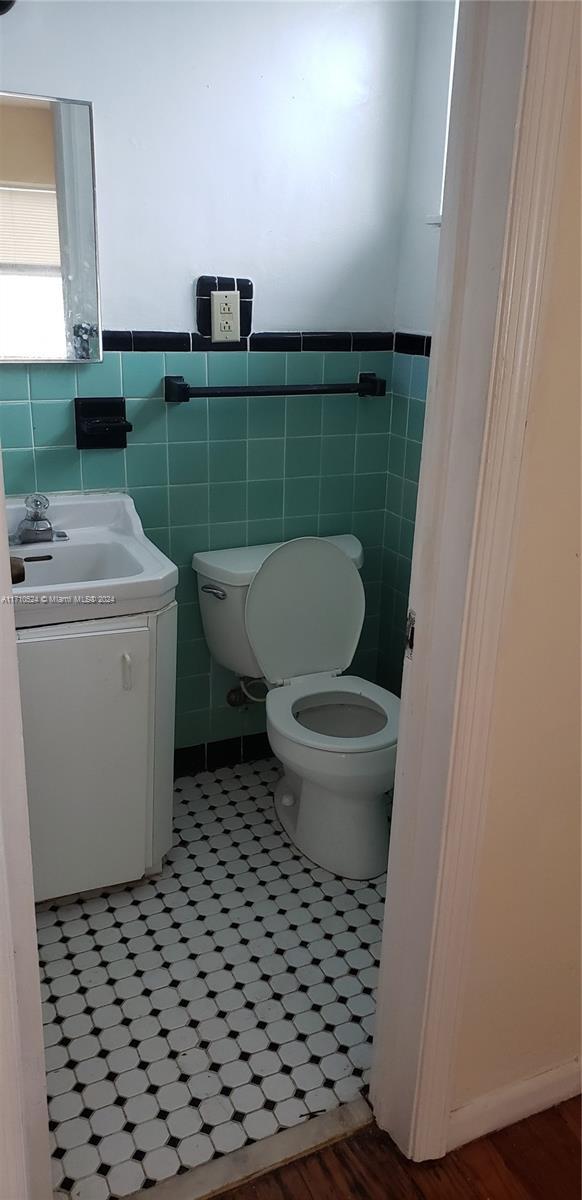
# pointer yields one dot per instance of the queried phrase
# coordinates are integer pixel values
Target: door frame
(513, 72)
(24, 1134)
(477, 407)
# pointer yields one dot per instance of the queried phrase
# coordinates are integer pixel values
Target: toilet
(291, 613)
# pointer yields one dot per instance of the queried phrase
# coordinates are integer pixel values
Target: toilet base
(345, 835)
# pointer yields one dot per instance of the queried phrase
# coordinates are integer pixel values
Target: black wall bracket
(177, 391)
(100, 423)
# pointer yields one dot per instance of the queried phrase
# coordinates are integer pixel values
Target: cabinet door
(85, 712)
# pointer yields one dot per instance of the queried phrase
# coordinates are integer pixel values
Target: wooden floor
(537, 1159)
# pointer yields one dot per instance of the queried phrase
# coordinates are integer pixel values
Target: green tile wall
(409, 381)
(223, 472)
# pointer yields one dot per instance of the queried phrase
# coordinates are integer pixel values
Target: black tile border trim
(212, 755)
(139, 339)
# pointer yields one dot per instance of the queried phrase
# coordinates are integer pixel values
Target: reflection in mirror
(49, 295)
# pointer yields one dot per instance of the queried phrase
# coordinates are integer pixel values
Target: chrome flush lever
(213, 590)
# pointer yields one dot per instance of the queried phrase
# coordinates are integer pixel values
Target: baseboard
(513, 1103)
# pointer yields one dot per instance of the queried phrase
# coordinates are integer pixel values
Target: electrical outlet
(225, 316)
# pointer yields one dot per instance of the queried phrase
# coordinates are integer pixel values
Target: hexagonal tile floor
(226, 999)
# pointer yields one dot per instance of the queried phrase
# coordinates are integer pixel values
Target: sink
(107, 568)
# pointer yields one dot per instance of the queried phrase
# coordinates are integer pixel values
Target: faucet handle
(36, 506)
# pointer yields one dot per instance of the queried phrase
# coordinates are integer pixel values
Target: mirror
(49, 291)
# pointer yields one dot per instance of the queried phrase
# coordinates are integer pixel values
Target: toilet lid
(304, 610)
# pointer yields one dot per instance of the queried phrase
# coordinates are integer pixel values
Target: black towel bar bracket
(177, 391)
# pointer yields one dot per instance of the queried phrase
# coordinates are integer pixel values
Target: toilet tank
(224, 577)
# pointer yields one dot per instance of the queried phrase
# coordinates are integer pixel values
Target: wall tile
(227, 502)
(53, 423)
(369, 492)
(302, 456)
(303, 415)
(305, 368)
(266, 458)
(341, 367)
(224, 535)
(19, 472)
(101, 379)
(419, 377)
(188, 462)
(14, 383)
(315, 465)
(266, 416)
(337, 455)
(265, 531)
(401, 374)
(374, 414)
(151, 504)
(416, 411)
(15, 425)
(371, 453)
(191, 366)
(103, 469)
(148, 419)
(301, 497)
(142, 373)
(399, 419)
(412, 464)
(266, 368)
(227, 461)
(189, 504)
(396, 455)
(58, 469)
(225, 368)
(336, 493)
(147, 466)
(265, 499)
(186, 540)
(340, 414)
(227, 416)
(52, 383)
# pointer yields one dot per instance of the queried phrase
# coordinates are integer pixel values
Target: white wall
(419, 241)
(250, 138)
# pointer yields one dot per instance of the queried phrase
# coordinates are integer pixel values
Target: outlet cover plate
(225, 316)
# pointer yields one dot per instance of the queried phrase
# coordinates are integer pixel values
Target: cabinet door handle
(126, 672)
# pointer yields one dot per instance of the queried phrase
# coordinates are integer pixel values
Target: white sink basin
(107, 568)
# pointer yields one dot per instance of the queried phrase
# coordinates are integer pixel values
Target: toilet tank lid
(240, 565)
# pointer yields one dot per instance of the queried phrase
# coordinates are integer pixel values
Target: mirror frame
(72, 362)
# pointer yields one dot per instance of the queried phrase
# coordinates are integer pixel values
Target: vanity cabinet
(98, 718)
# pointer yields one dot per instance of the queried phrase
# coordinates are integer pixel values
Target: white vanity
(96, 630)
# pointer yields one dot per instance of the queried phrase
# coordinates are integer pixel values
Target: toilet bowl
(335, 735)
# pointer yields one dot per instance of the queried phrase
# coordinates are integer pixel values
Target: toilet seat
(283, 706)
(304, 610)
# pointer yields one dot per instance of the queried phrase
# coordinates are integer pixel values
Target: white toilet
(292, 613)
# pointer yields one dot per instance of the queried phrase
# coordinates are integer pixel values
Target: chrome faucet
(35, 526)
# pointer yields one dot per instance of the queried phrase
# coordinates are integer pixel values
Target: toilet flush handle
(213, 590)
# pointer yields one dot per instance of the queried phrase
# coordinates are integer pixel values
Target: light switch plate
(225, 316)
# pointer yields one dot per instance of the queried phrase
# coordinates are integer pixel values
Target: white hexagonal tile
(161, 1164)
(94, 1187)
(290, 1112)
(228, 1137)
(116, 1148)
(81, 1161)
(73, 1133)
(110, 1119)
(195, 1150)
(173, 1095)
(126, 1178)
(151, 1134)
(183, 1122)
